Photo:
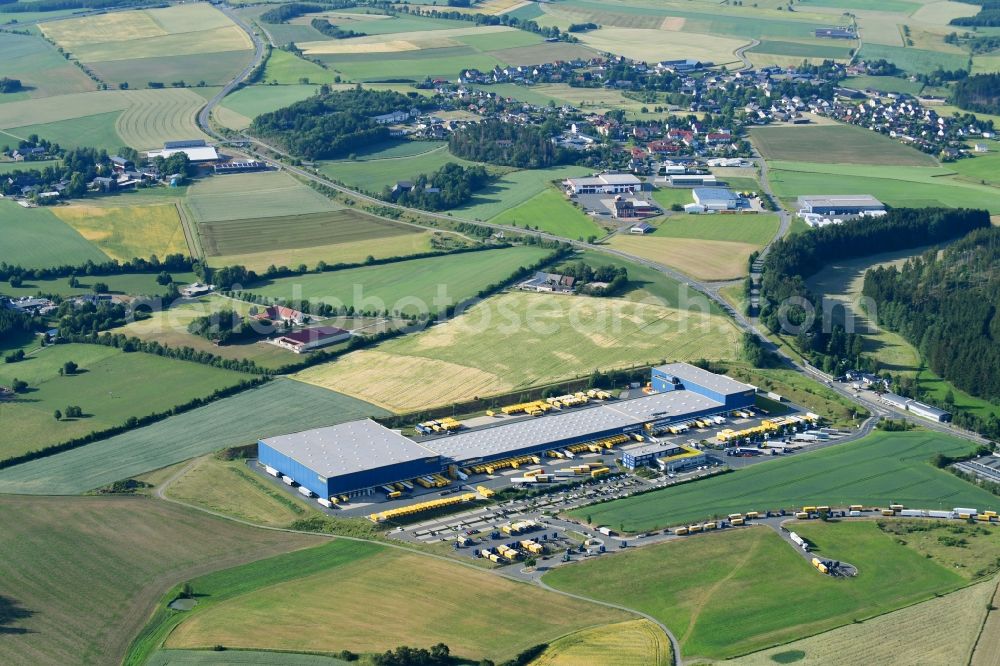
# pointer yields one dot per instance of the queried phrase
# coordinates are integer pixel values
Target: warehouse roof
(350, 447)
(841, 200)
(704, 378)
(660, 406)
(571, 424)
(510, 438)
(722, 195)
(194, 153)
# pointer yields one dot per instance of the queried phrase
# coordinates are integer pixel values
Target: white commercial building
(605, 183)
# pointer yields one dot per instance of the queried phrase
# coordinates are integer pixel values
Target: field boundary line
(190, 235)
(982, 628)
(161, 494)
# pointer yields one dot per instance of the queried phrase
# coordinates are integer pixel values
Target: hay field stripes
(938, 631)
(632, 643)
(155, 116)
(148, 118)
(254, 195)
(245, 236)
(399, 41)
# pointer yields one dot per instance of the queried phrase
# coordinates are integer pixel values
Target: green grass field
(23, 230)
(214, 69)
(409, 66)
(244, 236)
(373, 173)
(550, 211)
(97, 131)
(252, 101)
(287, 68)
(884, 84)
(41, 69)
(87, 571)
(937, 631)
(110, 387)
(845, 144)
(350, 601)
(276, 408)
(243, 196)
(230, 488)
(914, 61)
(981, 168)
(898, 186)
(813, 49)
(754, 229)
(736, 598)
(514, 188)
(517, 340)
(882, 468)
(399, 284)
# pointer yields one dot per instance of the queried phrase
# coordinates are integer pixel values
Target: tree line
(948, 307)
(171, 262)
(508, 144)
(330, 30)
(979, 92)
(988, 16)
(449, 187)
(787, 304)
(334, 124)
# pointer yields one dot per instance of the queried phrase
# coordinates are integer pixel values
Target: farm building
(352, 458)
(715, 198)
(641, 228)
(196, 150)
(606, 183)
(307, 339)
(240, 166)
(280, 313)
(840, 204)
(549, 282)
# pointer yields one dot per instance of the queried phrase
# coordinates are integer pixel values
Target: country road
(708, 289)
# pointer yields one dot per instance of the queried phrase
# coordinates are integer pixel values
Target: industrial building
(668, 457)
(719, 388)
(692, 180)
(353, 458)
(307, 339)
(920, 409)
(715, 198)
(605, 183)
(839, 204)
(195, 149)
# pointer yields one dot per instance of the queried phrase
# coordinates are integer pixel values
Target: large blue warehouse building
(355, 457)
